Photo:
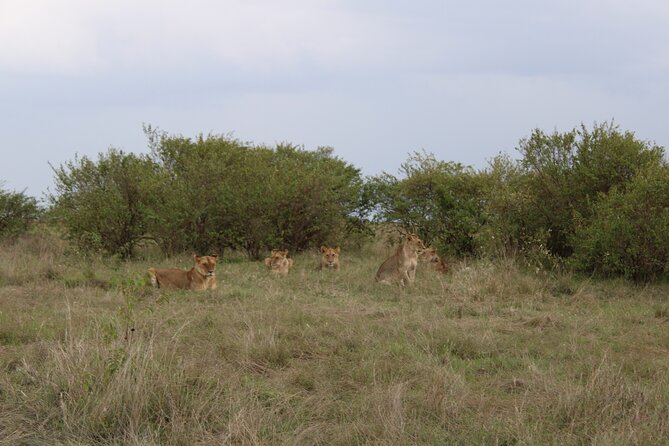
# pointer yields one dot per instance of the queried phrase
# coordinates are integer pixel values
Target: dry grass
(485, 355)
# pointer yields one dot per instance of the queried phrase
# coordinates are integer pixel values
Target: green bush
(628, 234)
(228, 194)
(509, 211)
(17, 212)
(533, 205)
(206, 195)
(440, 201)
(103, 205)
(566, 173)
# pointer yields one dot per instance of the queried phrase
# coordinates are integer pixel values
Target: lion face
(330, 257)
(206, 264)
(278, 258)
(429, 255)
(415, 243)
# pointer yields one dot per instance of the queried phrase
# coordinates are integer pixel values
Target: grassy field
(487, 354)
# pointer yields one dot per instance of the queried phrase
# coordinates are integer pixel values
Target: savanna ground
(488, 354)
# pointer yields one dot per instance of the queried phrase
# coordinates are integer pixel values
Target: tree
(103, 205)
(17, 212)
(567, 173)
(440, 201)
(628, 233)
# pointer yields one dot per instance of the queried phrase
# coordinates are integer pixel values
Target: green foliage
(566, 173)
(224, 193)
(628, 234)
(104, 205)
(508, 209)
(440, 201)
(578, 193)
(536, 205)
(207, 195)
(17, 212)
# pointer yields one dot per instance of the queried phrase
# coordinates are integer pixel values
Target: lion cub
(329, 258)
(201, 277)
(278, 262)
(436, 262)
(402, 265)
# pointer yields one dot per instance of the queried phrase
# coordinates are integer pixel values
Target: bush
(440, 201)
(207, 195)
(509, 211)
(103, 205)
(628, 234)
(17, 212)
(566, 173)
(230, 194)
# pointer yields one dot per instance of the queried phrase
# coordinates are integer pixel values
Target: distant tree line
(595, 200)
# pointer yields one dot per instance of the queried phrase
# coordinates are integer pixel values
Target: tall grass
(488, 354)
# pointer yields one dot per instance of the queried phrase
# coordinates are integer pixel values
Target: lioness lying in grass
(435, 261)
(278, 262)
(201, 277)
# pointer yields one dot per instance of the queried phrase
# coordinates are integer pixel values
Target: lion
(437, 263)
(278, 262)
(329, 258)
(201, 277)
(402, 265)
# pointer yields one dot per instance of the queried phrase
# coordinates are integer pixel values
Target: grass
(488, 354)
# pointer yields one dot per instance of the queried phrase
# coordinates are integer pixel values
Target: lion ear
(285, 252)
(196, 257)
(214, 256)
(323, 248)
(337, 250)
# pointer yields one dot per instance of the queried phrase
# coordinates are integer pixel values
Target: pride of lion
(398, 268)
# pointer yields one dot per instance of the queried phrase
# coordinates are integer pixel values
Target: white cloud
(38, 36)
(79, 36)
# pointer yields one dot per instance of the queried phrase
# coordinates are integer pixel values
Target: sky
(374, 79)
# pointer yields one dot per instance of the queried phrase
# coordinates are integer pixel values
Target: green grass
(485, 355)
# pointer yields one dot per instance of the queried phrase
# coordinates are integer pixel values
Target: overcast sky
(374, 79)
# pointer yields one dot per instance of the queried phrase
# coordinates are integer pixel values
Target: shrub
(628, 234)
(224, 193)
(441, 201)
(509, 211)
(566, 173)
(103, 205)
(17, 212)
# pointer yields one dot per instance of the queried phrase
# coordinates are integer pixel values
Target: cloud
(39, 36)
(79, 37)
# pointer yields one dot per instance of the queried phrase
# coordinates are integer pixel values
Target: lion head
(415, 243)
(330, 257)
(429, 255)
(278, 262)
(206, 265)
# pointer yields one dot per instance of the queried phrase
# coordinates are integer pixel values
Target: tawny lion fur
(278, 262)
(201, 277)
(329, 258)
(435, 261)
(401, 266)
